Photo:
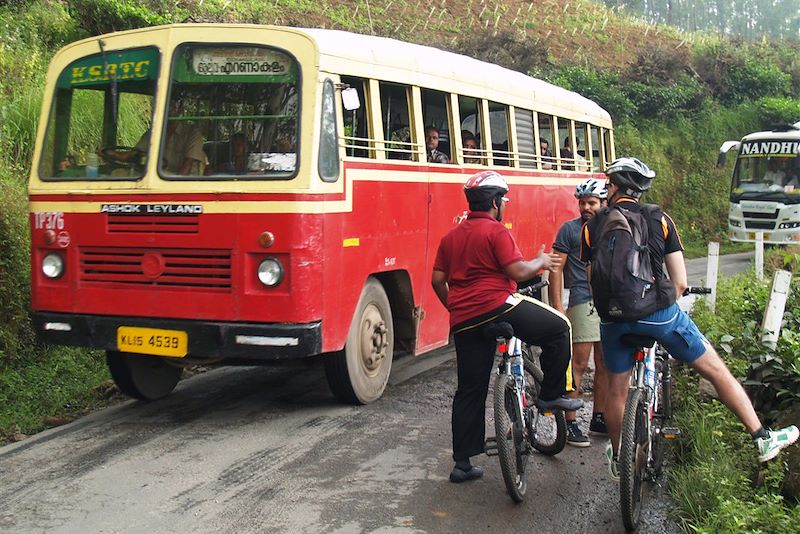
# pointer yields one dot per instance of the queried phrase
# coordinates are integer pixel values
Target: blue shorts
(672, 327)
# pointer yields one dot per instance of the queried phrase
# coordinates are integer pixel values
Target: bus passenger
(432, 146)
(470, 148)
(547, 156)
(567, 157)
(239, 154)
(475, 274)
(774, 175)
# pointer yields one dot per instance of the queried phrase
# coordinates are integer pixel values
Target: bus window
(435, 114)
(566, 151)
(498, 121)
(547, 141)
(96, 115)
(396, 123)
(328, 149)
(597, 164)
(469, 110)
(216, 94)
(356, 133)
(526, 145)
(581, 142)
(608, 146)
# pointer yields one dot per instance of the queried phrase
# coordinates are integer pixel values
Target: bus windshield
(767, 167)
(240, 103)
(102, 101)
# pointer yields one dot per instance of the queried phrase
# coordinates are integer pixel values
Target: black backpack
(623, 285)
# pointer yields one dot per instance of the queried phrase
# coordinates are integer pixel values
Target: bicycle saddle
(501, 329)
(635, 341)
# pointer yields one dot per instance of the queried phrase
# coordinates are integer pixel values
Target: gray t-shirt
(568, 241)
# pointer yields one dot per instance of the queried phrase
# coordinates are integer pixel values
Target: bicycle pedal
(490, 447)
(670, 432)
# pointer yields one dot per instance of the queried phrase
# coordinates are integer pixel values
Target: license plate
(155, 341)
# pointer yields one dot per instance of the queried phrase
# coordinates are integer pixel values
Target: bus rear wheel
(142, 377)
(358, 374)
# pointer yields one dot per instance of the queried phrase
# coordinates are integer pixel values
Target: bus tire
(142, 377)
(358, 374)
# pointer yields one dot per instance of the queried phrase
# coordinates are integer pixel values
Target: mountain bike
(520, 427)
(648, 410)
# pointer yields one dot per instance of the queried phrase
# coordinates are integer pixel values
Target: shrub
(603, 88)
(776, 110)
(103, 16)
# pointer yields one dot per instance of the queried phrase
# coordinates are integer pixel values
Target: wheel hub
(374, 339)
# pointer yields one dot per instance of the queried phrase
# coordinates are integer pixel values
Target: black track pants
(534, 323)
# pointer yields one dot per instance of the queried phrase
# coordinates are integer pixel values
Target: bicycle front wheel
(633, 452)
(510, 436)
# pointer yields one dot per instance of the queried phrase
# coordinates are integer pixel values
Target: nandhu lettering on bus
(237, 194)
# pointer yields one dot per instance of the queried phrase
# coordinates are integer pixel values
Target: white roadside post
(777, 303)
(760, 255)
(712, 268)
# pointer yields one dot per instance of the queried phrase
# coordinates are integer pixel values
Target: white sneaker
(613, 462)
(769, 447)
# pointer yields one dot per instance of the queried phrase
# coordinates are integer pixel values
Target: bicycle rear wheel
(634, 449)
(548, 428)
(510, 436)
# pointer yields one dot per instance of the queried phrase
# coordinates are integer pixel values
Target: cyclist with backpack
(591, 195)
(475, 275)
(627, 244)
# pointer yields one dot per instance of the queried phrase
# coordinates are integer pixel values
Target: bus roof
(392, 60)
(434, 65)
(784, 132)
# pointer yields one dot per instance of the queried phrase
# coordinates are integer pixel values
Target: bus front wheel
(142, 377)
(358, 374)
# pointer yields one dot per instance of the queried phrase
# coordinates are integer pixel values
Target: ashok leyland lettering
(237, 194)
(765, 191)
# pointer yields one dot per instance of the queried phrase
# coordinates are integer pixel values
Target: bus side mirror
(350, 99)
(723, 151)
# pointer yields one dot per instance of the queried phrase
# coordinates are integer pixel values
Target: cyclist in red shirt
(475, 275)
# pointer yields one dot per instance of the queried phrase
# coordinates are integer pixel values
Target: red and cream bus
(234, 194)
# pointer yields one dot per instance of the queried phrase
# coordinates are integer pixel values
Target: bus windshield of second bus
(765, 189)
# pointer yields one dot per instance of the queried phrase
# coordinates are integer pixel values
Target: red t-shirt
(472, 256)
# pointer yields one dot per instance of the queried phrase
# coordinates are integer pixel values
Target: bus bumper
(236, 342)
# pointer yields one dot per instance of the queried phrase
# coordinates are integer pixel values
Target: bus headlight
(53, 265)
(788, 225)
(270, 272)
(734, 222)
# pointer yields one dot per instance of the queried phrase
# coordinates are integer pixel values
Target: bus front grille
(759, 225)
(168, 268)
(760, 215)
(152, 224)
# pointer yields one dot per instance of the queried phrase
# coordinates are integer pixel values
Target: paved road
(268, 450)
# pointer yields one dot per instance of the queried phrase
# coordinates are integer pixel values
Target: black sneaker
(458, 475)
(575, 436)
(598, 425)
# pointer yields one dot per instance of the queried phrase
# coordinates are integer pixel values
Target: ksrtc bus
(237, 194)
(765, 191)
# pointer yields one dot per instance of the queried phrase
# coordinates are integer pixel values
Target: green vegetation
(674, 97)
(717, 483)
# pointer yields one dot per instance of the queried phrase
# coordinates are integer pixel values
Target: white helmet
(484, 186)
(591, 188)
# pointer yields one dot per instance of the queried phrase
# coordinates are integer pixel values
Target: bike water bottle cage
(635, 341)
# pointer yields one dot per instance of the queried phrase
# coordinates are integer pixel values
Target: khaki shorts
(585, 323)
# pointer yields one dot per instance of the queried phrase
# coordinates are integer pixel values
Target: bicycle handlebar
(533, 288)
(697, 290)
